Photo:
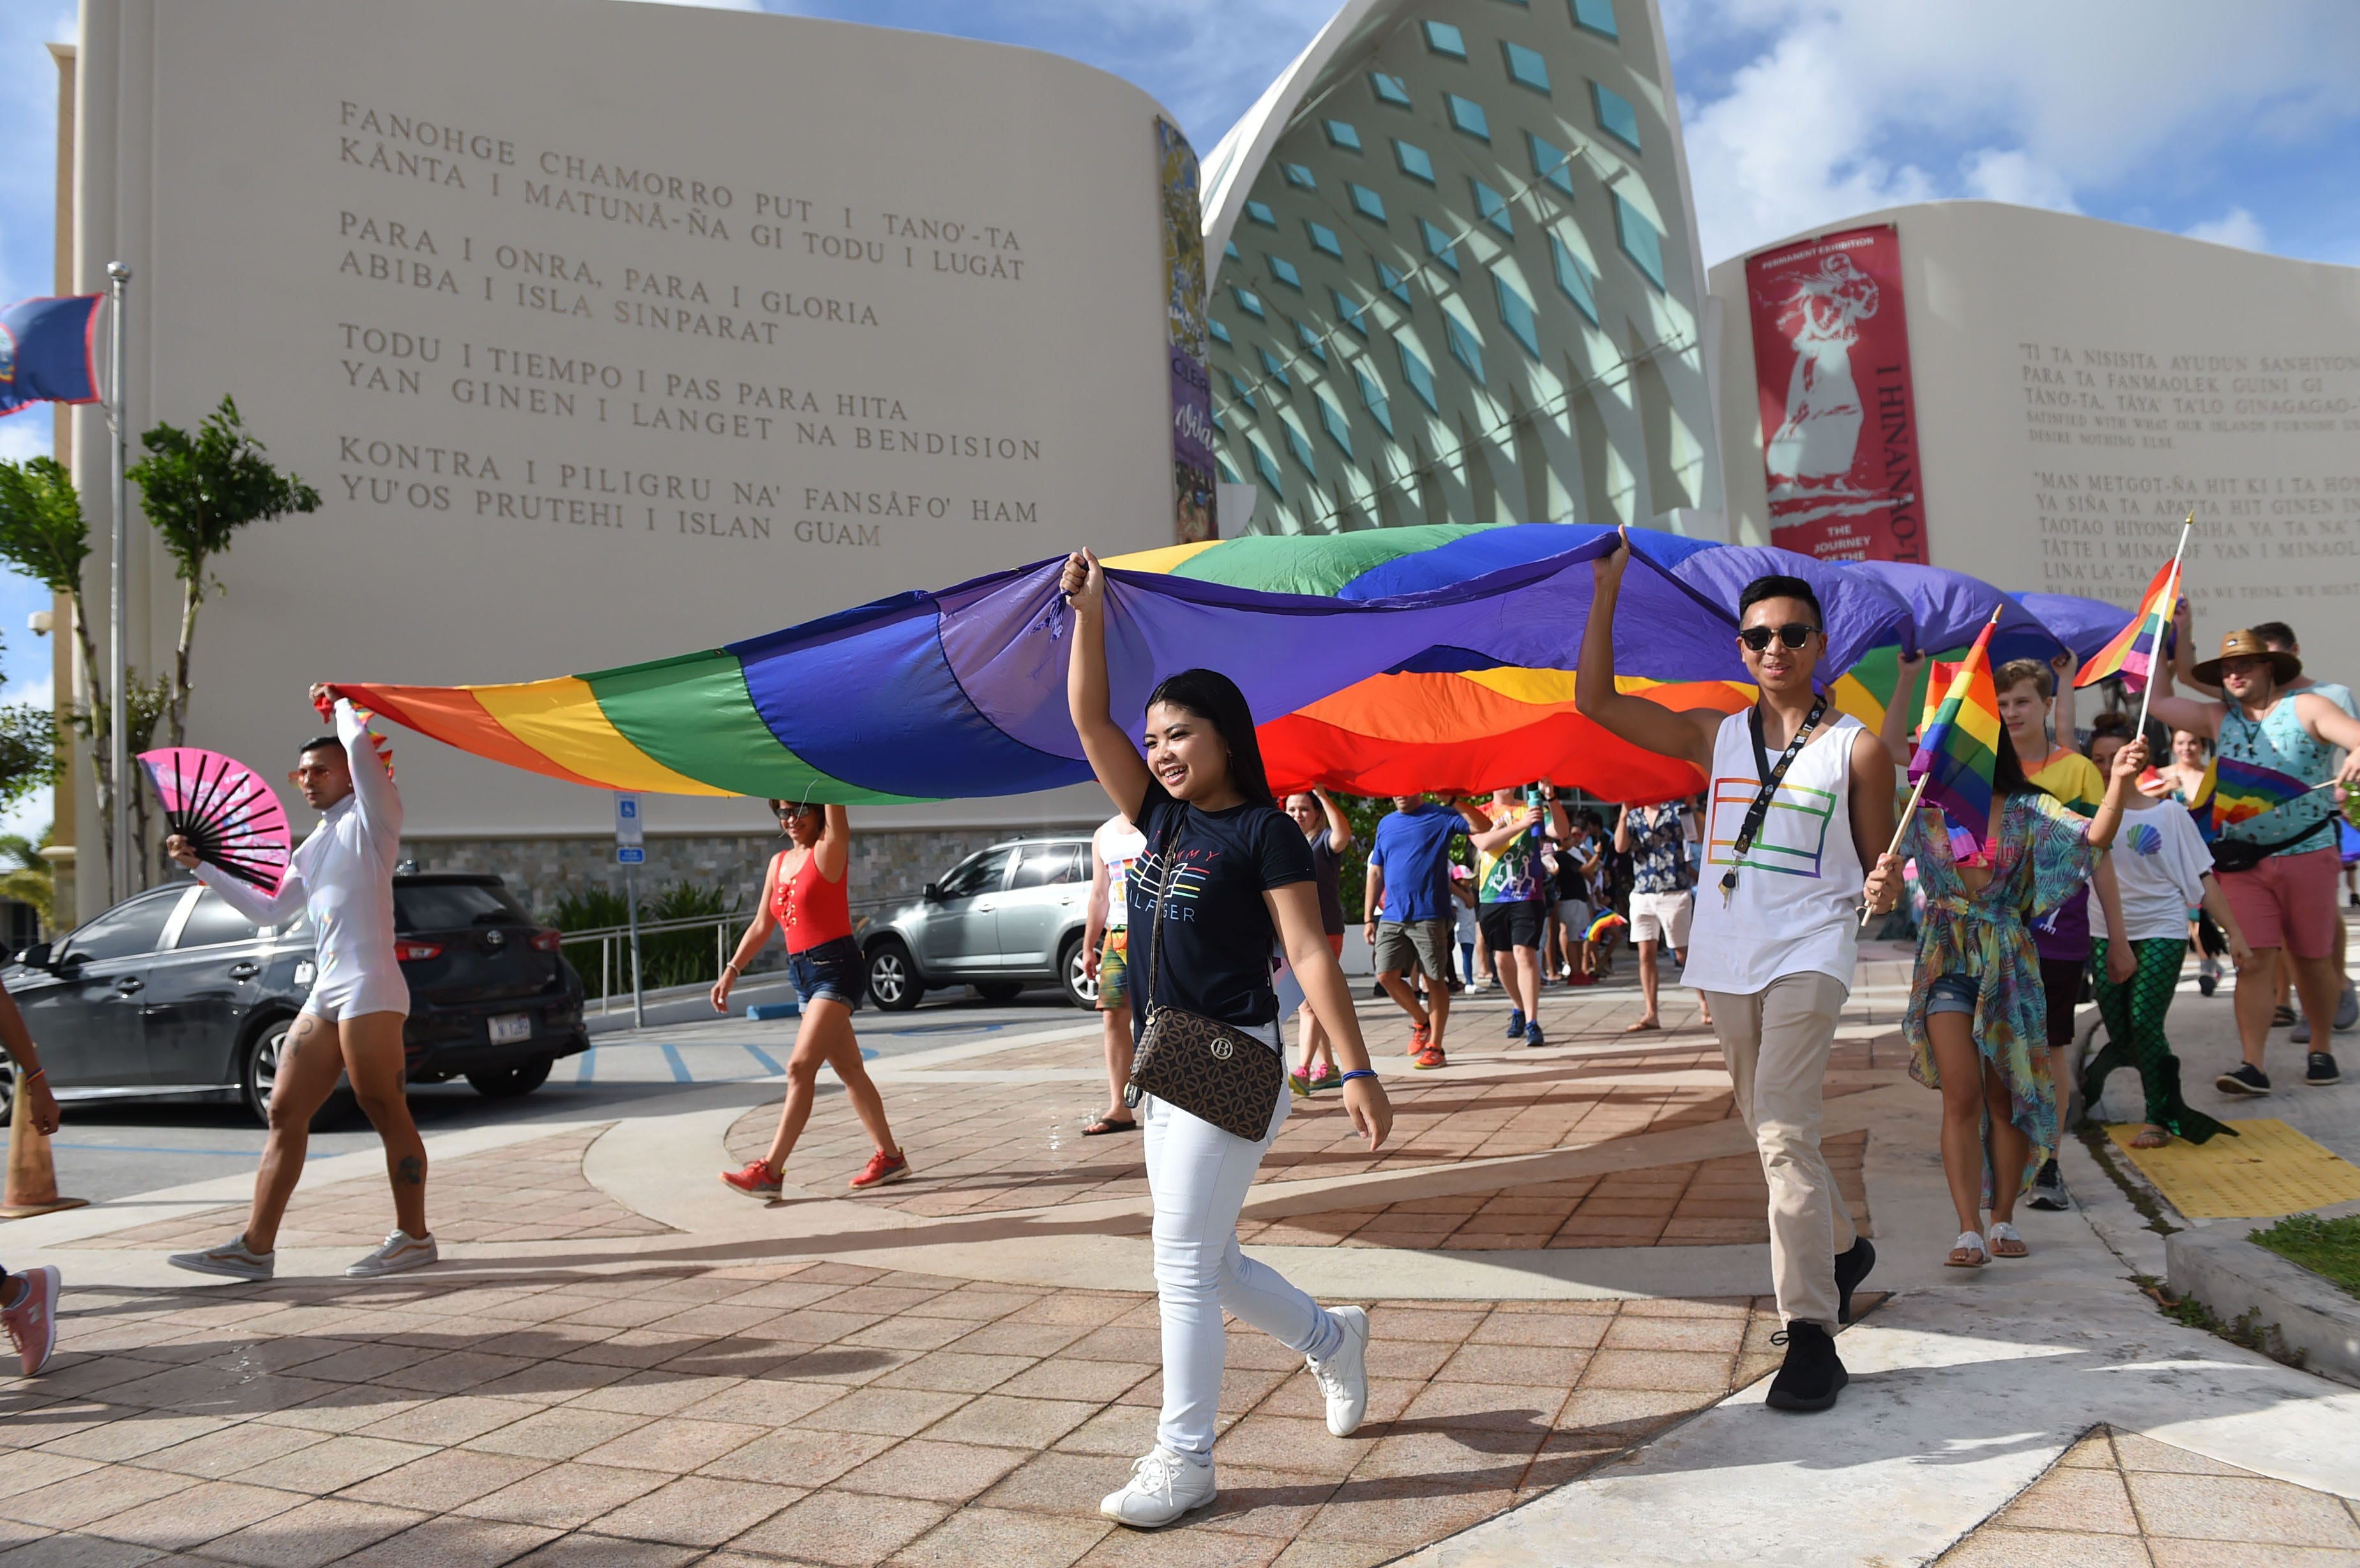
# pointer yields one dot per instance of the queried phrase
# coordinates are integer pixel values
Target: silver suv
(1000, 919)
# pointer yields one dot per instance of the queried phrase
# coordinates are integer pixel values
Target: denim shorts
(1954, 993)
(831, 969)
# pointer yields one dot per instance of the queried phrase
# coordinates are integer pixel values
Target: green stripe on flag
(693, 714)
(1277, 563)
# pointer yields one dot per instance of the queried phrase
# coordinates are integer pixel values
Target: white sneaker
(1163, 1486)
(401, 1250)
(232, 1258)
(1344, 1376)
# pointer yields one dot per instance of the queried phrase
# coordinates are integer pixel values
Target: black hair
(2112, 724)
(1214, 698)
(323, 742)
(2275, 635)
(2008, 770)
(1778, 585)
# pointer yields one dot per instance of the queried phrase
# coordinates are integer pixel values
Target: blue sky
(2235, 123)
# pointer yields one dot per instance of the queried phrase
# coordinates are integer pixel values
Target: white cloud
(2234, 227)
(1844, 105)
(1998, 175)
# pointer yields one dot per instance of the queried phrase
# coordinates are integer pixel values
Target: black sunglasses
(1793, 633)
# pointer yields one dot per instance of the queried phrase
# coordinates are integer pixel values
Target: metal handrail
(613, 941)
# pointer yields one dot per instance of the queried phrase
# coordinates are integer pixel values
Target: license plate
(509, 1028)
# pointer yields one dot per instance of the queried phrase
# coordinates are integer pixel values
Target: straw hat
(2242, 644)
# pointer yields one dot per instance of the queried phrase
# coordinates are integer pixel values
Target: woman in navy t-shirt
(1240, 882)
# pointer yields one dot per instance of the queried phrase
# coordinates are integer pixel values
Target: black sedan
(172, 992)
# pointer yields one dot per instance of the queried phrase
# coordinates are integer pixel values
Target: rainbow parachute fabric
(1959, 751)
(1381, 661)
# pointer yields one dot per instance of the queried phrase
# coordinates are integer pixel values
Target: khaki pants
(1775, 1043)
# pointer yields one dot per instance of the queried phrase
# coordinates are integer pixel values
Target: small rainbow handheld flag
(1960, 748)
(2135, 648)
(2235, 791)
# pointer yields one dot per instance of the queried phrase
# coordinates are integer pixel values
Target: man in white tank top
(1774, 933)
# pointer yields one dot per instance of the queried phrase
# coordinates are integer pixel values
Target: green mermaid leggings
(2132, 1014)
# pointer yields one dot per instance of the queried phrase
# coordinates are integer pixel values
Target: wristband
(36, 1072)
(1360, 1072)
(732, 966)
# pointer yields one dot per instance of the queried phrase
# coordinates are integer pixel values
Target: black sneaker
(2322, 1071)
(1812, 1376)
(2049, 1189)
(1852, 1268)
(2247, 1079)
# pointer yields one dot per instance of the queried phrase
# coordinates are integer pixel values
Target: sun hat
(2244, 644)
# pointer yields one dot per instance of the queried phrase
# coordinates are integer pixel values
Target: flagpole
(118, 713)
(2172, 613)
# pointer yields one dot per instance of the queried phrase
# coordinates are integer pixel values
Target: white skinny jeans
(1198, 1176)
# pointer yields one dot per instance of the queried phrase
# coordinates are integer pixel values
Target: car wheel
(508, 1083)
(258, 1069)
(1000, 992)
(892, 976)
(1081, 986)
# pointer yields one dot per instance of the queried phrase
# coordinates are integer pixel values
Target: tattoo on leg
(411, 1172)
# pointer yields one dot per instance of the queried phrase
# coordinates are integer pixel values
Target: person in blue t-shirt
(1409, 915)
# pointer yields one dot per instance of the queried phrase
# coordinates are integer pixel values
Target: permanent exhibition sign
(610, 330)
(1839, 415)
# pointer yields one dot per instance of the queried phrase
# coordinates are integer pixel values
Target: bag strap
(1772, 776)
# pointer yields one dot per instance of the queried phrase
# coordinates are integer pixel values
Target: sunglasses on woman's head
(1793, 633)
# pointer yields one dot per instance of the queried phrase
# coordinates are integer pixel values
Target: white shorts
(1662, 916)
(337, 996)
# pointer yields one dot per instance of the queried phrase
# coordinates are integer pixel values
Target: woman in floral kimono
(1976, 1018)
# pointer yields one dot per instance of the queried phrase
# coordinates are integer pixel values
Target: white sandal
(1969, 1242)
(2006, 1231)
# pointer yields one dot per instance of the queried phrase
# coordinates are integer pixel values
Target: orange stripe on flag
(452, 715)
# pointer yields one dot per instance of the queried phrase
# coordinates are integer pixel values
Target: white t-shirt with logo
(2159, 863)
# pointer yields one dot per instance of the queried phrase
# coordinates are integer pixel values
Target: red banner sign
(1838, 417)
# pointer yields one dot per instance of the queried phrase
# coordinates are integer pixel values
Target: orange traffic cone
(32, 1173)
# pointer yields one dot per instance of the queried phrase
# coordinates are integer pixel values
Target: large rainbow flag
(1381, 661)
(1959, 750)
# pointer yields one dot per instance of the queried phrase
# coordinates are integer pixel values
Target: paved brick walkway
(811, 1413)
(2123, 1500)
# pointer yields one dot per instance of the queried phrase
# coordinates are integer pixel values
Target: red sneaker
(881, 1168)
(757, 1181)
(1578, 978)
(1429, 1059)
(32, 1322)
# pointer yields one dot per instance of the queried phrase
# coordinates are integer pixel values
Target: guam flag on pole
(2136, 647)
(1959, 749)
(46, 351)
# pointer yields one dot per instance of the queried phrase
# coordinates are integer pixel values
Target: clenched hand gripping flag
(1959, 749)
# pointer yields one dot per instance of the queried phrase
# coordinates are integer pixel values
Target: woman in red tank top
(803, 894)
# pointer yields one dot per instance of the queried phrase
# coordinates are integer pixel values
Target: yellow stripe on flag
(562, 720)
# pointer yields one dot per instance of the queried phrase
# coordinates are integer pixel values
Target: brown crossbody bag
(1202, 1066)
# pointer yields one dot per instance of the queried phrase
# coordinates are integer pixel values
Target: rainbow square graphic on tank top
(1794, 835)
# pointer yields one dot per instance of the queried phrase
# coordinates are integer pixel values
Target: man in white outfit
(342, 877)
(1798, 793)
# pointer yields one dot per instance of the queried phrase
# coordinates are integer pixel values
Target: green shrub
(2330, 1249)
(666, 958)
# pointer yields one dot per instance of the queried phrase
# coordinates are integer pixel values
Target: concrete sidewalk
(621, 1361)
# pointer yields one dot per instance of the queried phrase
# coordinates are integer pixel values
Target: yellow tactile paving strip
(2268, 1168)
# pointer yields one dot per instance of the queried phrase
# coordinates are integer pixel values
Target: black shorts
(2060, 987)
(1511, 925)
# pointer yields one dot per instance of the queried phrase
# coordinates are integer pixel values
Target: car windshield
(449, 906)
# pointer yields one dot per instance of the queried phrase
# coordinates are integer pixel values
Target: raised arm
(1492, 840)
(2183, 652)
(834, 850)
(1339, 826)
(2129, 763)
(1650, 725)
(1623, 832)
(2060, 715)
(1122, 771)
(375, 798)
(2183, 713)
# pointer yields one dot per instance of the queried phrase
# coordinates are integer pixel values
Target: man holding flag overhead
(1794, 789)
(2278, 864)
